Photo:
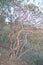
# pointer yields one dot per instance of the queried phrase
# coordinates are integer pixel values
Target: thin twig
(23, 53)
(24, 44)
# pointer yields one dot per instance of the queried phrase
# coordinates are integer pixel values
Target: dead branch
(23, 44)
(23, 53)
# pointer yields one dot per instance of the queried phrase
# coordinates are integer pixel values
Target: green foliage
(4, 41)
(4, 2)
(32, 7)
(0, 34)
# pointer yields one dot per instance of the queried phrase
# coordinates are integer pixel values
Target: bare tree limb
(23, 53)
(23, 44)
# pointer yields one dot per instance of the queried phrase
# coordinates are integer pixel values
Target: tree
(12, 13)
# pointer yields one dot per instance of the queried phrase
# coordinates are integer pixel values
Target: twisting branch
(23, 44)
(11, 49)
(17, 48)
(18, 44)
(23, 53)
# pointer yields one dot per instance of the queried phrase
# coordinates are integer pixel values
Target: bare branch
(23, 44)
(23, 53)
